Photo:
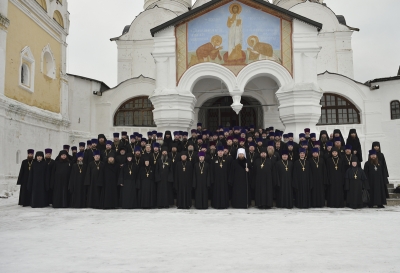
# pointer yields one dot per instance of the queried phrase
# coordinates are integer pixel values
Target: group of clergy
(230, 167)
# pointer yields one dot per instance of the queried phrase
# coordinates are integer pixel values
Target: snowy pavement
(314, 240)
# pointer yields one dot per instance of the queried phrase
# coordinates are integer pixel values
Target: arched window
(135, 112)
(58, 18)
(48, 63)
(338, 110)
(42, 3)
(27, 70)
(395, 109)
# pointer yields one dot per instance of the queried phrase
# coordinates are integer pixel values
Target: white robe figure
(235, 33)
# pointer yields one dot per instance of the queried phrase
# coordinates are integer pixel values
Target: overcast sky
(91, 53)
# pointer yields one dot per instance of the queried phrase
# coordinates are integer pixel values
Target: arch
(395, 109)
(48, 63)
(136, 111)
(42, 3)
(27, 70)
(206, 70)
(338, 110)
(58, 18)
(266, 68)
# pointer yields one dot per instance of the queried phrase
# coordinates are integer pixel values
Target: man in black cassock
(183, 182)
(201, 182)
(336, 173)
(262, 180)
(240, 181)
(60, 180)
(23, 179)
(356, 181)
(129, 180)
(94, 180)
(164, 179)
(220, 173)
(38, 184)
(302, 181)
(77, 183)
(89, 154)
(109, 194)
(49, 171)
(354, 141)
(319, 179)
(293, 154)
(376, 178)
(381, 158)
(283, 181)
(104, 154)
(147, 186)
(121, 158)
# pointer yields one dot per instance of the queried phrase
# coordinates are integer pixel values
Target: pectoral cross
(201, 172)
(173, 160)
(288, 169)
(80, 171)
(375, 168)
(163, 166)
(130, 172)
(184, 169)
(154, 162)
(317, 166)
(355, 176)
(147, 174)
(304, 169)
(220, 165)
(98, 168)
(252, 161)
(262, 166)
(336, 167)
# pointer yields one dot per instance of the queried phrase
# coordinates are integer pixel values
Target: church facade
(287, 64)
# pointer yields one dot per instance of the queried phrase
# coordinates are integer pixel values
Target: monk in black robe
(38, 184)
(128, 180)
(293, 154)
(25, 195)
(240, 181)
(201, 182)
(109, 194)
(220, 173)
(94, 180)
(147, 186)
(60, 181)
(77, 183)
(302, 181)
(284, 183)
(376, 178)
(381, 158)
(89, 154)
(356, 181)
(49, 171)
(105, 153)
(336, 179)
(164, 176)
(184, 182)
(262, 180)
(319, 179)
(354, 142)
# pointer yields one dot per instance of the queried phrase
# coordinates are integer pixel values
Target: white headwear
(241, 151)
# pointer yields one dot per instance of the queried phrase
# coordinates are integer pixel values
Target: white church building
(287, 64)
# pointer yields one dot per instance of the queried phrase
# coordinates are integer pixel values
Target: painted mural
(234, 35)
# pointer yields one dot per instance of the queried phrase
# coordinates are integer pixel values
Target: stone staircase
(394, 198)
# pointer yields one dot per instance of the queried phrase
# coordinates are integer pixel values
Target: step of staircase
(394, 195)
(393, 202)
(390, 186)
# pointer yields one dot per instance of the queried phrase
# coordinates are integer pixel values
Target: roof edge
(89, 79)
(134, 78)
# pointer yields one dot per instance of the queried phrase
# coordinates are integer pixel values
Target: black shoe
(381, 207)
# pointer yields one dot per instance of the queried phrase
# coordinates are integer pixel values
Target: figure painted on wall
(235, 55)
(208, 52)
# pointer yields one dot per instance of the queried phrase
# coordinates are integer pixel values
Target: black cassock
(94, 180)
(220, 168)
(382, 161)
(38, 184)
(88, 157)
(77, 186)
(240, 184)
(23, 179)
(147, 187)
(336, 182)
(183, 184)
(109, 193)
(128, 177)
(60, 181)
(263, 182)
(302, 183)
(201, 183)
(376, 179)
(283, 181)
(49, 171)
(319, 180)
(356, 181)
(164, 177)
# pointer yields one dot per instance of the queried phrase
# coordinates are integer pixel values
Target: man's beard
(270, 152)
(160, 141)
(374, 161)
(80, 162)
(323, 138)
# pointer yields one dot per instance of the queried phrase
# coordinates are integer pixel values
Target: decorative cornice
(4, 22)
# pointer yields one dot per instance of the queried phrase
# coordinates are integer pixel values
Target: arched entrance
(218, 111)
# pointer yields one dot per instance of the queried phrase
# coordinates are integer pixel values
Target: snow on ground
(314, 240)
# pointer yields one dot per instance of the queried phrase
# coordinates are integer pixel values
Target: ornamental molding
(4, 22)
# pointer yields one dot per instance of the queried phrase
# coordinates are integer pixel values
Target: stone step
(393, 202)
(394, 195)
(390, 186)
(390, 190)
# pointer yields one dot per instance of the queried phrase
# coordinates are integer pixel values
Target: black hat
(39, 153)
(164, 148)
(129, 155)
(354, 159)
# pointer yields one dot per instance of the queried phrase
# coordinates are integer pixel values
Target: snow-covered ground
(314, 240)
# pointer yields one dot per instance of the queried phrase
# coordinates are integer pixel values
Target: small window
(338, 110)
(48, 64)
(58, 18)
(27, 70)
(135, 112)
(395, 109)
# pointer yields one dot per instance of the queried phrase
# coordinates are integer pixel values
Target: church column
(299, 103)
(4, 23)
(173, 109)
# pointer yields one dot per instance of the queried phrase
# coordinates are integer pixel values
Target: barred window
(395, 109)
(338, 110)
(135, 112)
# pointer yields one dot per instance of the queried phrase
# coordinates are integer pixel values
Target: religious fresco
(234, 35)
